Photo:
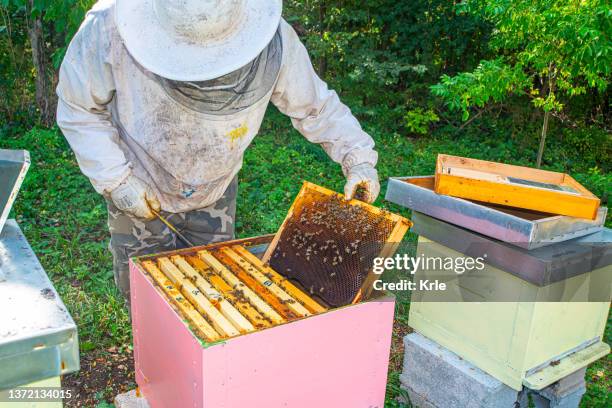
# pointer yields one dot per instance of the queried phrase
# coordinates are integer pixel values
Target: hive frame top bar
(515, 186)
(251, 242)
(522, 228)
(313, 187)
(14, 165)
(224, 290)
(401, 226)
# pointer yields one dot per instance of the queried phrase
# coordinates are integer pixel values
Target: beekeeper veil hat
(196, 40)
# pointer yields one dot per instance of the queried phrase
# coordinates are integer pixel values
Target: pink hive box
(335, 359)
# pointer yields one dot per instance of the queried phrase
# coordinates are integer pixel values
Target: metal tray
(14, 165)
(541, 266)
(522, 228)
(38, 338)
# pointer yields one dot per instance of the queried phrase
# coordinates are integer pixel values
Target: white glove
(136, 198)
(362, 176)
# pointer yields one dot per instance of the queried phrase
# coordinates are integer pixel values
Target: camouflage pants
(134, 237)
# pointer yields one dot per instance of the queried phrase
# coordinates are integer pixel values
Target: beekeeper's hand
(136, 198)
(362, 176)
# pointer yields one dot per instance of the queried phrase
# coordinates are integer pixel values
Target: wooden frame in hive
(338, 224)
(224, 291)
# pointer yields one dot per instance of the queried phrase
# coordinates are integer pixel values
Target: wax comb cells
(328, 244)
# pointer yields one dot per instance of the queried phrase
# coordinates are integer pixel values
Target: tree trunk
(44, 98)
(543, 138)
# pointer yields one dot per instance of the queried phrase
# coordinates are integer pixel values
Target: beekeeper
(159, 100)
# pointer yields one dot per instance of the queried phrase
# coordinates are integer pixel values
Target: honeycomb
(327, 244)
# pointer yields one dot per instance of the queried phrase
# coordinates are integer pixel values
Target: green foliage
(59, 19)
(66, 17)
(490, 81)
(16, 78)
(63, 16)
(418, 120)
(546, 49)
(592, 142)
(365, 46)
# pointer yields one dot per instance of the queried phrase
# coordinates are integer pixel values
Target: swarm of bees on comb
(328, 244)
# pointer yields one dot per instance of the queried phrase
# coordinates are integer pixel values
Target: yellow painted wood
(368, 207)
(225, 307)
(507, 339)
(267, 296)
(197, 322)
(401, 226)
(291, 303)
(566, 366)
(445, 161)
(223, 287)
(458, 177)
(229, 277)
(307, 189)
(281, 281)
(195, 296)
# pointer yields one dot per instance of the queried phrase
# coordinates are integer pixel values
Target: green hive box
(521, 332)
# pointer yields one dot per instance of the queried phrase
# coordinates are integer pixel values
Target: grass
(65, 220)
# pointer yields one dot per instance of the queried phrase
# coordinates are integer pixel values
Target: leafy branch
(547, 50)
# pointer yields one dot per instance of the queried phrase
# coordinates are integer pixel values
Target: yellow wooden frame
(482, 180)
(222, 290)
(283, 309)
(216, 298)
(195, 296)
(268, 283)
(246, 308)
(264, 308)
(402, 225)
(196, 320)
(281, 281)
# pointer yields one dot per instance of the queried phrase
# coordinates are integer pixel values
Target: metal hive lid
(14, 165)
(523, 228)
(540, 266)
(38, 338)
(328, 244)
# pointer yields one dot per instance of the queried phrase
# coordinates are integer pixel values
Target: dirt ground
(103, 375)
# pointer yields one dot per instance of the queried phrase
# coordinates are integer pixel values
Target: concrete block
(566, 386)
(434, 377)
(131, 399)
(571, 400)
(565, 393)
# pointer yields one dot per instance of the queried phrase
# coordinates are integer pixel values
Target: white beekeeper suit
(133, 99)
